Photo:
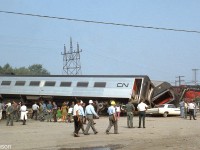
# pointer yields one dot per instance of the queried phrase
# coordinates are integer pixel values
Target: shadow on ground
(107, 147)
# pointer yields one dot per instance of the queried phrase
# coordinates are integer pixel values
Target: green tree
(35, 69)
(6, 69)
(22, 71)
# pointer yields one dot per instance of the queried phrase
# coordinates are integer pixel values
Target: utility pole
(175, 82)
(179, 79)
(71, 60)
(195, 76)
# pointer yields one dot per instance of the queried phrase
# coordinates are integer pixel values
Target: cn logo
(122, 84)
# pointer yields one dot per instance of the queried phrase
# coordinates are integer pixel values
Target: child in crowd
(59, 115)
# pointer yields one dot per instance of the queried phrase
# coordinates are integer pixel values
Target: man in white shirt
(191, 107)
(35, 108)
(77, 121)
(142, 107)
(24, 112)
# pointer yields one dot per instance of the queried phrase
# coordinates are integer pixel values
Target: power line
(101, 22)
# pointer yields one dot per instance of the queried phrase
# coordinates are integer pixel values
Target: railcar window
(50, 83)
(65, 84)
(100, 84)
(34, 83)
(19, 83)
(82, 84)
(5, 82)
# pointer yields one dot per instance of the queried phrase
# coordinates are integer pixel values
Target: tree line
(35, 69)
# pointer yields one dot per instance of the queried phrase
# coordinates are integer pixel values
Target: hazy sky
(107, 49)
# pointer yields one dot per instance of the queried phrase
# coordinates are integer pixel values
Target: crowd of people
(113, 112)
(13, 111)
(79, 113)
(43, 111)
(188, 108)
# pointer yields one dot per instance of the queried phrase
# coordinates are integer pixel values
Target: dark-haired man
(77, 121)
(142, 107)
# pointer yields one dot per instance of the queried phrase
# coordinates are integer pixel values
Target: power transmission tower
(195, 76)
(71, 60)
(179, 80)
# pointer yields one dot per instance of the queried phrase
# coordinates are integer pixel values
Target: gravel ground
(171, 133)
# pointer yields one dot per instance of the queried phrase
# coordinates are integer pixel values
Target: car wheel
(165, 114)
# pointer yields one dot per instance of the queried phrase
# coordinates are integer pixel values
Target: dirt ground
(171, 133)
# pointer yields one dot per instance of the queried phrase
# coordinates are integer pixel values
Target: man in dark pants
(130, 112)
(9, 113)
(77, 121)
(191, 107)
(35, 108)
(15, 112)
(142, 112)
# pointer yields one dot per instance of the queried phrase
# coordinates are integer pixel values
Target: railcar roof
(103, 76)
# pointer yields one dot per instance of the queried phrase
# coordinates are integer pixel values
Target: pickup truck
(164, 109)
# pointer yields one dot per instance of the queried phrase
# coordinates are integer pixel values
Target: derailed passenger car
(163, 93)
(97, 87)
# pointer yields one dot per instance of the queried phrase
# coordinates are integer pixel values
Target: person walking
(130, 109)
(142, 107)
(9, 113)
(35, 109)
(191, 107)
(77, 122)
(112, 118)
(89, 112)
(82, 115)
(24, 112)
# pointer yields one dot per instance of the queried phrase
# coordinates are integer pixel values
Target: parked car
(165, 110)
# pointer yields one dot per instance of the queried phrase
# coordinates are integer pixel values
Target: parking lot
(160, 133)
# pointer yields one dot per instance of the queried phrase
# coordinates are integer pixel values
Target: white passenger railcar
(120, 87)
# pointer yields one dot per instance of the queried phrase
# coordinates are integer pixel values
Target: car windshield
(160, 106)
